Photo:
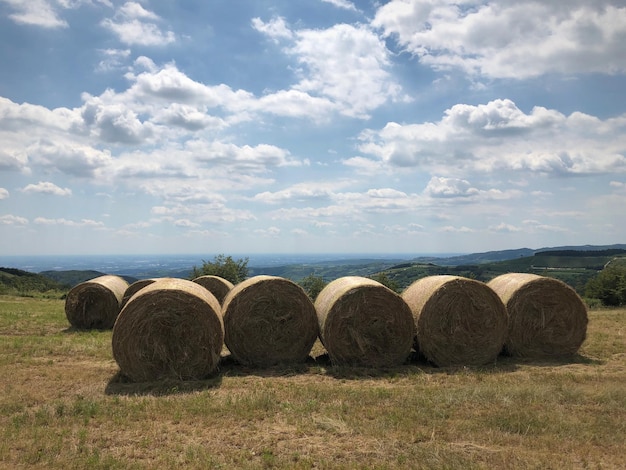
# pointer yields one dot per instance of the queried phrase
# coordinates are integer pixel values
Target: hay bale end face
(269, 320)
(458, 321)
(134, 288)
(216, 285)
(547, 318)
(170, 329)
(95, 304)
(363, 323)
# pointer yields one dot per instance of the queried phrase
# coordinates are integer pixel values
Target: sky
(330, 126)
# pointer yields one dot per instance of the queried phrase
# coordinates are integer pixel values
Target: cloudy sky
(256, 126)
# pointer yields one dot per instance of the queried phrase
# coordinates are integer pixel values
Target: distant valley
(572, 264)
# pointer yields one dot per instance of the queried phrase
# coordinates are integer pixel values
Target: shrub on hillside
(609, 286)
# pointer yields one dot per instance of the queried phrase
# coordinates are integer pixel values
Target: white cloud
(71, 159)
(537, 226)
(132, 25)
(46, 187)
(10, 219)
(276, 28)
(504, 228)
(499, 136)
(35, 13)
(113, 59)
(449, 187)
(453, 229)
(346, 64)
(517, 40)
(313, 191)
(4, 194)
(268, 232)
(68, 223)
(343, 4)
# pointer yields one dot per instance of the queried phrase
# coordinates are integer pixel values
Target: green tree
(313, 285)
(609, 286)
(386, 281)
(225, 267)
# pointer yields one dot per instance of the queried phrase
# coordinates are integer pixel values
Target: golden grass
(63, 405)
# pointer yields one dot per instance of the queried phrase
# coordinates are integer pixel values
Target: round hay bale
(170, 329)
(458, 321)
(269, 320)
(547, 318)
(133, 289)
(95, 304)
(218, 286)
(363, 323)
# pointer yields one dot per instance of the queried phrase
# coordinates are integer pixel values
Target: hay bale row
(176, 328)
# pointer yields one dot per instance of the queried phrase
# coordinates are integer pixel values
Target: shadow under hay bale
(269, 320)
(216, 285)
(547, 318)
(95, 304)
(459, 321)
(170, 329)
(363, 323)
(134, 288)
(119, 384)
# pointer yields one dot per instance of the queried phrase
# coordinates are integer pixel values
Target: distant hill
(573, 266)
(478, 258)
(17, 281)
(74, 277)
(504, 255)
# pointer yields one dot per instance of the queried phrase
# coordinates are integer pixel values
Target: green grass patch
(64, 405)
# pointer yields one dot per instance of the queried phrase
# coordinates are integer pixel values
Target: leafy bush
(225, 267)
(609, 286)
(313, 285)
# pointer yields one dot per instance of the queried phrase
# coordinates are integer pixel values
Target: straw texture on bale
(170, 329)
(95, 304)
(458, 321)
(269, 320)
(216, 285)
(134, 288)
(547, 318)
(363, 323)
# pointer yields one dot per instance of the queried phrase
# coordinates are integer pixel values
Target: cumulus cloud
(76, 160)
(35, 13)
(499, 136)
(134, 25)
(346, 64)
(517, 40)
(449, 187)
(4, 193)
(46, 187)
(299, 192)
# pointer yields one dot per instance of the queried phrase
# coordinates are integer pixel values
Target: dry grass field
(63, 405)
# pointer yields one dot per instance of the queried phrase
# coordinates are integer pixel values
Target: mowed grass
(63, 405)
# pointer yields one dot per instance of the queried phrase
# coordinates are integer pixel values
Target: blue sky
(252, 126)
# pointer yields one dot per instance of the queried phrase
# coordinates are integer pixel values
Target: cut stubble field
(64, 405)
